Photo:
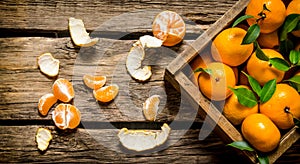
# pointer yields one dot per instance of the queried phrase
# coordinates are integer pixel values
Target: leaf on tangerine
(294, 56)
(252, 34)
(280, 64)
(253, 83)
(268, 90)
(206, 70)
(260, 54)
(263, 159)
(242, 145)
(289, 25)
(294, 79)
(245, 96)
(241, 19)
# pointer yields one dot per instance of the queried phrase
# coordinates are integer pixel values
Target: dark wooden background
(29, 28)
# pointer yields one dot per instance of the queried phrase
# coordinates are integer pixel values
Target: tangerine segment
(169, 27)
(94, 82)
(63, 90)
(66, 116)
(283, 105)
(48, 64)
(107, 93)
(150, 107)
(43, 137)
(261, 132)
(214, 85)
(45, 103)
(270, 19)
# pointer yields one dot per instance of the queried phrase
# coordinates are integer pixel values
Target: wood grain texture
(53, 15)
(81, 146)
(22, 83)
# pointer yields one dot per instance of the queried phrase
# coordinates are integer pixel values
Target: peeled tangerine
(43, 138)
(150, 107)
(79, 35)
(140, 140)
(66, 116)
(48, 64)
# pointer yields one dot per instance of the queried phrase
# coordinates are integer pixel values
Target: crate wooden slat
(177, 74)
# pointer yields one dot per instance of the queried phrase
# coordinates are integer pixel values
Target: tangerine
(107, 93)
(200, 61)
(66, 116)
(214, 85)
(263, 71)
(261, 132)
(169, 27)
(234, 111)
(294, 8)
(269, 19)
(227, 47)
(269, 40)
(63, 90)
(45, 103)
(283, 105)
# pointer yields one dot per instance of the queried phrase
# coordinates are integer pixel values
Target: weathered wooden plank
(52, 16)
(22, 84)
(83, 145)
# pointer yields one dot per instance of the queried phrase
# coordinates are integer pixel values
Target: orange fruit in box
(294, 8)
(261, 132)
(284, 98)
(236, 112)
(63, 90)
(268, 20)
(107, 93)
(227, 48)
(169, 27)
(263, 71)
(66, 116)
(45, 103)
(201, 61)
(215, 85)
(269, 40)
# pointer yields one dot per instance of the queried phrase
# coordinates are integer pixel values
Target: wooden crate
(181, 78)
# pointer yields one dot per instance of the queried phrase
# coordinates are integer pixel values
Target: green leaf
(294, 79)
(241, 19)
(252, 34)
(208, 71)
(280, 64)
(289, 25)
(245, 96)
(268, 90)
(285, 47)
(294, 56)
(242, 145)
(253, 83)
(263, 159)
(260, 54)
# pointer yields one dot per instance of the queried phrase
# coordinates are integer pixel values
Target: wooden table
(30, 28)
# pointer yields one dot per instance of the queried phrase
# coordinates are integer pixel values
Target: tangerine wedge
(94, 82)
(45, 103)
(107, 93)
(63, 90)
